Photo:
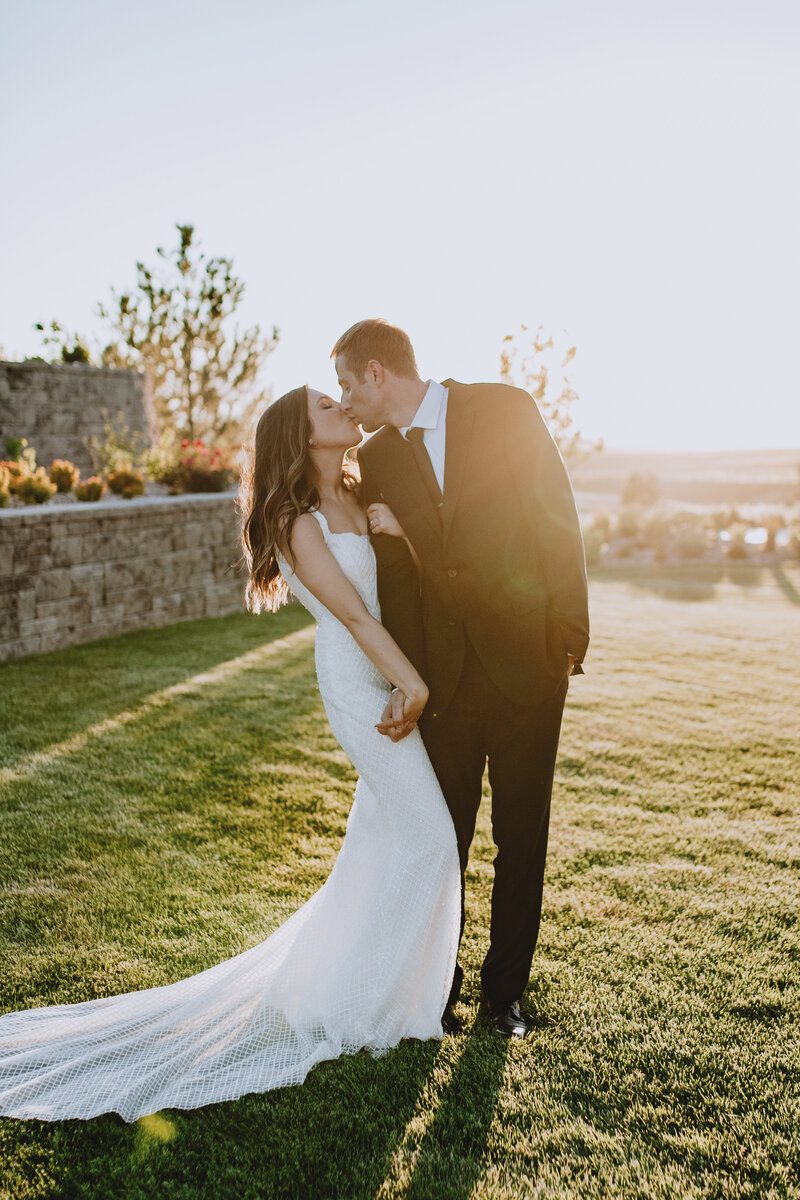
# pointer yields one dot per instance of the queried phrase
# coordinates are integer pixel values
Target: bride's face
(330, 424)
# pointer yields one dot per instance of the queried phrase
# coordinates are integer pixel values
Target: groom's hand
(394, 722)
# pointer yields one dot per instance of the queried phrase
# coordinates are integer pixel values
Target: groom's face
(362, 399)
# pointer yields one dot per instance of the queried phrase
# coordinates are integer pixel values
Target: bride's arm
(318, 570)
(382, 520)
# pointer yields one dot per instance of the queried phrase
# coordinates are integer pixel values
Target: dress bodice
(354, 554)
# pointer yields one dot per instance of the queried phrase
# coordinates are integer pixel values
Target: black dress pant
(520, 743)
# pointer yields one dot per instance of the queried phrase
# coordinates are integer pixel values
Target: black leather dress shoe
(508, 1021)
(450, 1022)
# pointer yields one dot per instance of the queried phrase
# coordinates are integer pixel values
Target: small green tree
(179, 323)
(525, 362)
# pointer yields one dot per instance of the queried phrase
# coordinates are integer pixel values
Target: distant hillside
(722, 477)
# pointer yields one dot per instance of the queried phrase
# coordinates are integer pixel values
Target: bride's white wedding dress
(365, 962)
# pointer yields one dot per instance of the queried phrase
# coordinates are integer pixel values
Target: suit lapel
(402, 476)
(460, 418)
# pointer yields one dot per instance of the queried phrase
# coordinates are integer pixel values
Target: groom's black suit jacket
(501, 561)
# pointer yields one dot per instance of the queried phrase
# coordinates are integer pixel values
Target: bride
(369, 959)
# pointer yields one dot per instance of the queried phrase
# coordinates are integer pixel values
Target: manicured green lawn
(168, 797)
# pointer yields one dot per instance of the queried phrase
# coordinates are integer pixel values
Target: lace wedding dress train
(367, 961)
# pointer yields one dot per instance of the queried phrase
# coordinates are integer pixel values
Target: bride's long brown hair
(278, 484)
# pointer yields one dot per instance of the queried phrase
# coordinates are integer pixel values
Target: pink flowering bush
(197, 468)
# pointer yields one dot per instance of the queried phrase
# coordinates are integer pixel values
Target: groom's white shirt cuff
(431, 417)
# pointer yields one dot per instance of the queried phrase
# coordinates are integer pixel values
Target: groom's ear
(375, 372)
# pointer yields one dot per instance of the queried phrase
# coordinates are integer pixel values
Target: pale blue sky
(625, 171)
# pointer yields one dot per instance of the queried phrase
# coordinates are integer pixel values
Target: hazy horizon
(606, 449)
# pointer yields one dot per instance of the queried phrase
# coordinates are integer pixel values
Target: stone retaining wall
(78, 572)
(58, 408)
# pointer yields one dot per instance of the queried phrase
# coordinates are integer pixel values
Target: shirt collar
(429, 412)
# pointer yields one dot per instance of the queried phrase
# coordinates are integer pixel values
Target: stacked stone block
(79, 572)
(61, 408)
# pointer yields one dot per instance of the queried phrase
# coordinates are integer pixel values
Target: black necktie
(414, 438)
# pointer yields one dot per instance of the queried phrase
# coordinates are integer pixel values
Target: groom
(493, 613)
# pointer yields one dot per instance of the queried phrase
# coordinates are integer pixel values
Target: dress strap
(321, 521)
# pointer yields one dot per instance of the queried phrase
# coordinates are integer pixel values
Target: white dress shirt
(431, 417)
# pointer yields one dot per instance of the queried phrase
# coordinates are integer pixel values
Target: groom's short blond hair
(377, 339)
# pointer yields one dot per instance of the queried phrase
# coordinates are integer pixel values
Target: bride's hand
(383, 520)
(401, 714)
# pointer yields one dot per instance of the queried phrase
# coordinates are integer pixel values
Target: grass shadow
(450, 1157)
(331, 1137)
(166, 852)
(83, 685)
(745, 574)
(694, 582)
(680, 582)
(783, 581)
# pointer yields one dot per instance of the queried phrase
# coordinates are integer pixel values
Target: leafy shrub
(120, 449)
(687, 518)
(737, 546)
(15, 446)
(15, 472)
(126, 483)
(72, 346)
(64, 474)
(773, 524)
(723, 518)
(78, 354)
(655, 529)
(197, 469)
(21, 467)
(35, 488)
(690, 542)
(161, 457)
(5, 479)
(90, 489)
(27, 458)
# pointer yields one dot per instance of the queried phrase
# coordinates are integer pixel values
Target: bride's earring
(310, 442)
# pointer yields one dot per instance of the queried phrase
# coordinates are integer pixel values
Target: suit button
(451, 620)
(452, 572)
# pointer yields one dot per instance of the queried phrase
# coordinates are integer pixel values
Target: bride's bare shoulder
(306, 534)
